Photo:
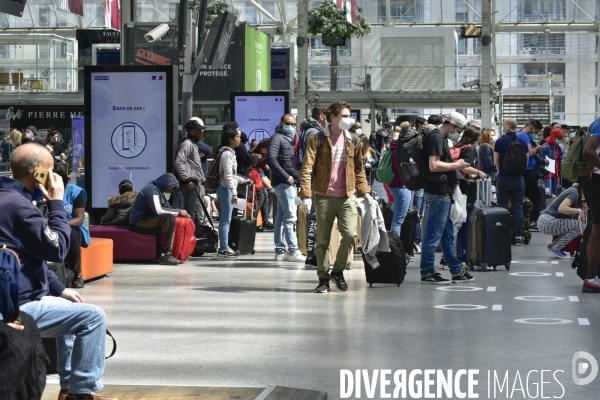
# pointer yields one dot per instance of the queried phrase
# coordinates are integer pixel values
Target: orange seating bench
(97, 258)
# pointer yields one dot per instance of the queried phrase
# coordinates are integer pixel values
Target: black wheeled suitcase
(242, 231)
(392, 266)
(207, 237)
(488, 242)
(408, 231)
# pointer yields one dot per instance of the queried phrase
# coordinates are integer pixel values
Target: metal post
(187, 87)
(486, 63)
(551, 96)
(126, 18)
(334, 69)
(302, 42)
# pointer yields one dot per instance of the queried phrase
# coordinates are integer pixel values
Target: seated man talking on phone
(79, 328)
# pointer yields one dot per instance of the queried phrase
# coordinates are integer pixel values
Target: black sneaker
(409, 258)
(339, 280)
(323, 286)
(77, 283)
(228, 253)
(168, 259)
(311, 262)
(260, 229)
(268, 227)
(534, 228)
(443, 264)
(463, 277)
(434, 278)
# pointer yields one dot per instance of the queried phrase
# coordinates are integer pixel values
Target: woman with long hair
(485, 159)
(227, 191)
(553, 151)
(14, 141)
(369, 156)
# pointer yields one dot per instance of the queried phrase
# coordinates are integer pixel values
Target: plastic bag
(458, 211)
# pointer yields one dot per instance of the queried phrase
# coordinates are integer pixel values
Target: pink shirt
(337, 183)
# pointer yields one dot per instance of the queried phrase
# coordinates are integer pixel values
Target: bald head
(510, 124)
(26, 158)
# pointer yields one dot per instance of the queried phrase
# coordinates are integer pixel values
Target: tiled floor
(256, 322)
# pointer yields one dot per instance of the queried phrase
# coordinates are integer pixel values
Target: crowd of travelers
(323, 167)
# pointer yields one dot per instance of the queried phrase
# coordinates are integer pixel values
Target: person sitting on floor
(564, 219)
(151, 211)
(74, 202)
(119, 207)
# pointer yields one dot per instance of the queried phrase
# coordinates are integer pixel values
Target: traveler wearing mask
(30, 136)
(485, 160)
(381, 138)
(356, 129)
(530, 176)
(284, 177)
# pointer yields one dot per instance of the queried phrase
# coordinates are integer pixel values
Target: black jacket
(244, 162)
(280, 157)
(119, 208)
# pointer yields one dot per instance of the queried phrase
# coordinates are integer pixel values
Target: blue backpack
(10, 268)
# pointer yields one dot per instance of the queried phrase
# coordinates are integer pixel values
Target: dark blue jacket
(24, 229)
(485, 162)
(150, 201)
(280, 157)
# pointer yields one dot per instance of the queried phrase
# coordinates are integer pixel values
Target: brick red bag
(184, 241)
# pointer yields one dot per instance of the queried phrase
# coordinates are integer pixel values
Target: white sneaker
(296, 257)
(280, 257)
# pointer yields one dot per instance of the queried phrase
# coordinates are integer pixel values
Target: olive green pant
(327, 210)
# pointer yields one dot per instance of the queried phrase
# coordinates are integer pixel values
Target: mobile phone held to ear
(41, 176)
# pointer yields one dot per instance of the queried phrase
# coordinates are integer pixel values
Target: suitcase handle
(208, 217)
(253, 195)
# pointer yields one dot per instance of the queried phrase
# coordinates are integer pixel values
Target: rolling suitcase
(392, 265)
(184, 240)
(488, 242)
(242, 231)
(408, 231)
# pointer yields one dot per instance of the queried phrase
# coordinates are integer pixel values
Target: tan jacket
(355, 173)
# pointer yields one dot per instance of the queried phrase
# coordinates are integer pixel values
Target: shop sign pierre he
(43, 117)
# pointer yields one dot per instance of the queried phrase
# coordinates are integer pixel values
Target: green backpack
(385, 171)
(576, 167)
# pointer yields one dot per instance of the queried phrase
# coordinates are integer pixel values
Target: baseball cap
(388, 125)
(457, 119)
(32, 129)
(195, 123)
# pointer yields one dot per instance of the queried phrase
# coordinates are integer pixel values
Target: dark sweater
(144, 205)
(119, 208)
(280, 157)
(244, 162)
(24, 229)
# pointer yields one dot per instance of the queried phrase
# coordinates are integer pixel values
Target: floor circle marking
(461, 307)
(529, 262)
(543, 321)
(539, 298)
(536, 274)
(460, 288)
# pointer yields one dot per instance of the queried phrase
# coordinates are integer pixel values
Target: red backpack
(455, 153)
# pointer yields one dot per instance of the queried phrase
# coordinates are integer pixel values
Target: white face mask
(572, 135)
(385, 133)
(358, 132)
(346, 123)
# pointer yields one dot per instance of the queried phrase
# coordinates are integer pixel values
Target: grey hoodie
(228, 169)
(188, 165)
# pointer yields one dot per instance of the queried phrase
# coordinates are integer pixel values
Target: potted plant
(330, 21)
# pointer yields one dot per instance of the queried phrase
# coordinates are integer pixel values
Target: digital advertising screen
(259, 113)
(129, 128)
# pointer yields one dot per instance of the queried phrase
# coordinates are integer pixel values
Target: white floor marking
(461, 307)
(497, 307)
(560, 274)
(459, 288)
(554, 262)
(530, 274)
(491, 288)
(543, 321)
(528, 262)
(583, 321)
(539, 298)
(573, 298)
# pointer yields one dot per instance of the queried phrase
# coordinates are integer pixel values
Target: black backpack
(412, 160)
(515, 158)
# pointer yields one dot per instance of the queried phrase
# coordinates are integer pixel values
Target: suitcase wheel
(371, 285)
(398, 284)
(484, 267)
(470, 266)
(252, 252)
(494, 267)
(507, 266)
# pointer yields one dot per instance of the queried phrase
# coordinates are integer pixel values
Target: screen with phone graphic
(128, 130)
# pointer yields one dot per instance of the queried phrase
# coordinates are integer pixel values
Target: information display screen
(259, 113)
(129, 132)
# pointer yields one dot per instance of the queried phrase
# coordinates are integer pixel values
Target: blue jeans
(225, 210)
(419, 204)
(551, 184)
(401, 204)
(512, 187)
(80, 332)
(438, 227)
(285, 219)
